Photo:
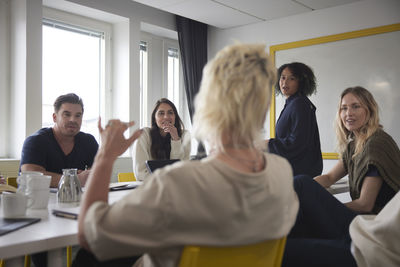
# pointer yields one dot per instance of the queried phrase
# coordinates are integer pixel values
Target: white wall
(356, 16)
(130, 9)
(120, 71)
(25, 71)
(4, 73)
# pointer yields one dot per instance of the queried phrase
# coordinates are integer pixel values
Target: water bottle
(69, 187)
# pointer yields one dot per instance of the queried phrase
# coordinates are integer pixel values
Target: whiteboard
(372, 62)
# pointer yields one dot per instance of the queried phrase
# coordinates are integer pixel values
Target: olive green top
(381, 151)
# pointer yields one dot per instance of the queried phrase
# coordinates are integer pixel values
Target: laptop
(10, 225)
(153, 165)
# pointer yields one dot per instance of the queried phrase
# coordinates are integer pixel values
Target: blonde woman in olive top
(371, 158)
(237, 195)
(166, 139)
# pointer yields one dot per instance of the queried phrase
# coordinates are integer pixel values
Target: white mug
(13, 204)
(21, 180)
(37, 182)
(38, 191)
(38, 199)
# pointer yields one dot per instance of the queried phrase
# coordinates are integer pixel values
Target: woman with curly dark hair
(297, 135)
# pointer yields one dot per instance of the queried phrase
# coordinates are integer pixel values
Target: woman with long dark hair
(166, 139)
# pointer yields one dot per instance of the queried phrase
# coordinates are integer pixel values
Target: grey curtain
(192, 37)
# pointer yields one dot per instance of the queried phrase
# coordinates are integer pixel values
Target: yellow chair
(12, 180)
(264, 254)
(126, 177)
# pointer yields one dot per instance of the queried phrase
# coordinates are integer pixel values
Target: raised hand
(113, 141)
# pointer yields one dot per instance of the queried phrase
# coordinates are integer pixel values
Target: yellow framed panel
(321, 40)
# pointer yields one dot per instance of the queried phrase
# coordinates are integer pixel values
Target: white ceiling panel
(267, 9)
(232, 13)
(320, 4)
(159, 3)
(211, 13)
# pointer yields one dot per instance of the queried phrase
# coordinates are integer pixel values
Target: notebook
(153, 165)
(9, 225)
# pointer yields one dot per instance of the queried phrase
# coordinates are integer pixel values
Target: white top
(376, 238)
(141, 151)
(194, 202)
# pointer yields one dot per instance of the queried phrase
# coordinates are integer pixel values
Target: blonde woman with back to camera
(237, 195)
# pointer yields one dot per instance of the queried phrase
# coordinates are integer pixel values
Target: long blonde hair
(234, 96)
(368, 102)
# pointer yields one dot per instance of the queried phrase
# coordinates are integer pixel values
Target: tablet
(10, 225)
(153, 165)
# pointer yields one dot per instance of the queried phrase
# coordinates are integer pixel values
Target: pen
(66, 215)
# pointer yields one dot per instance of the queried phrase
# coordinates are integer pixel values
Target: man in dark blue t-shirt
(63, 146)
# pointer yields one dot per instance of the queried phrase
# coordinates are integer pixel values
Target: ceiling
(233, 13)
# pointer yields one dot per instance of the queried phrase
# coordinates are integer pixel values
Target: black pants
(39, 259)
(85, 258)
(320, 236)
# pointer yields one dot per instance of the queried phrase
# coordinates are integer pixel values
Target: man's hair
(68, 98)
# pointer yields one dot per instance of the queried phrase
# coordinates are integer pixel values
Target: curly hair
(305, 76)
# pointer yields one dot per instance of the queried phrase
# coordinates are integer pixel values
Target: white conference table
(51, 234)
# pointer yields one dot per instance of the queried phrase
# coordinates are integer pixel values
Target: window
(160, 76)
(74, 61)
(143, 82)
(174, 91)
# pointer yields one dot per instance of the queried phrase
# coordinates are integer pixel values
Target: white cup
(38, 199)
(38, 191)
(13, 204)
(21, 180)
(37, 182)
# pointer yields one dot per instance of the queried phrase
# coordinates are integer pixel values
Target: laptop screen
(153, 165)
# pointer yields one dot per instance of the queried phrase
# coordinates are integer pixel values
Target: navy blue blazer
(297, 136)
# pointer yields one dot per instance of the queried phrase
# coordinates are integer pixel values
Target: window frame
(183, 106)
(167, 43)
(106, 68)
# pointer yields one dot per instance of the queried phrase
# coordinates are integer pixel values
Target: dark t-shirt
(386, 193)
(42, 149)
